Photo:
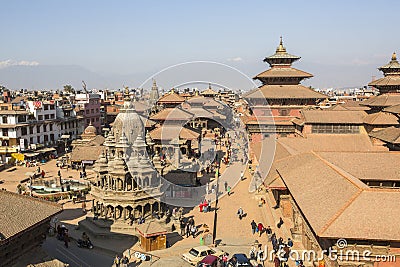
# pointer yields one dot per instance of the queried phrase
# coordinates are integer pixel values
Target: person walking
(229, 190)
(182, 226)
(260, 254)
(117, 261)
(280, 241)
(125, 261)
(240, 213)
(277, 262)
(260, 228)
(290, 242)
(226, 186)
(252, 253)
(280, 222)
(253, 227)
(268, 230)
(66, 238)
(193, 230)
(187, 229)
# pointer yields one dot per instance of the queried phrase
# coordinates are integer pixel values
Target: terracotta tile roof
(284, 91)
(198, 99)
(209, 91)
(267, 120)
(372, 215)
(169, 132)
(98, 140)
(140, 106)
(151, 228)
(338, 107)
(18, 213)
(171, 97)
(148, 123)
(350, 105)
(172, 114)
(385, 81)
(336, 204)
(319, 190)
(363, 165)
(283, 72)
(86, 152)
(213, 103)
(328, 142)
(18, 99)
(385, 100)
(393, 109)
(333, 116)
(201, 112)
(381, 118)
(389, 135)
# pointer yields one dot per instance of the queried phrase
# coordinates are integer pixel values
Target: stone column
(296, 231)
(124, 213)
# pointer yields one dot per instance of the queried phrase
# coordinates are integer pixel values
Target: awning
(30, 155)
(47, 149)
(277, 184)
(65, 136)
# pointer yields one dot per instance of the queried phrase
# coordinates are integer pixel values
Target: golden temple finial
(394, 57)
(126, 93)
(281, 48)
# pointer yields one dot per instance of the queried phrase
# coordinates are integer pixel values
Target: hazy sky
(340, 42)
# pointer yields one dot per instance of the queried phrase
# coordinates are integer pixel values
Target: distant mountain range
(56, 76)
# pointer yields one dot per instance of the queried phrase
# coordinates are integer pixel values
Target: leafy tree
(69, 89)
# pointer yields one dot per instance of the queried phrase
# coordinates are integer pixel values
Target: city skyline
(125, 43)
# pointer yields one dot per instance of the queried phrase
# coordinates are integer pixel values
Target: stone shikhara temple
(127, 185)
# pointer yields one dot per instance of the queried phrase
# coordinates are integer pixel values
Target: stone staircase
(105, 229)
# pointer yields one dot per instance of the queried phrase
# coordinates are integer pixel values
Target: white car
(196, 254)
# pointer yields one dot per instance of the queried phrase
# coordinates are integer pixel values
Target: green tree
(69, 89)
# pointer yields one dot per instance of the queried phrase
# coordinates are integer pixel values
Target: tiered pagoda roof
(297, 91)
(282, 81)
(390, 83)
(281, 71)
(171, 97)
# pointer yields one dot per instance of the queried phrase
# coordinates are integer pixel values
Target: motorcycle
(84, 244)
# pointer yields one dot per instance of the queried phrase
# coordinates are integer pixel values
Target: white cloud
(236, 59)
(10, 62)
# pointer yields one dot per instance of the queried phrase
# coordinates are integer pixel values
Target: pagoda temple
(388, 86)
(280, 97)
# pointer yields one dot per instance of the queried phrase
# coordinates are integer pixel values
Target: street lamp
(216, 208)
